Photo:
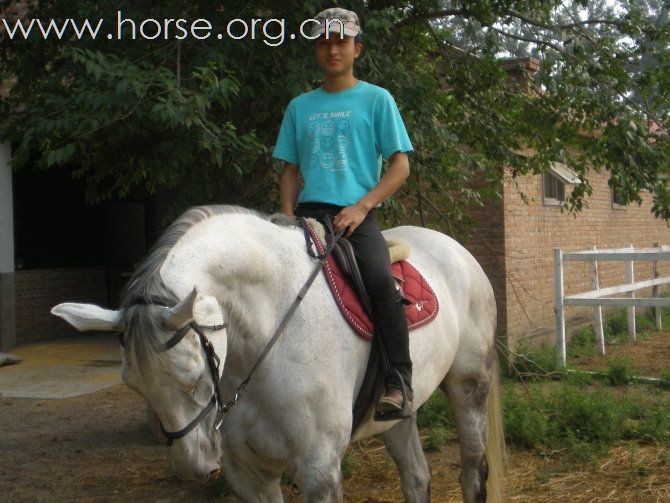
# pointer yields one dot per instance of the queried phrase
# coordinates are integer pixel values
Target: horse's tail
(496, 452)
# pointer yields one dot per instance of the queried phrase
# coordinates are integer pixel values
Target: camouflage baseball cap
(336, 20)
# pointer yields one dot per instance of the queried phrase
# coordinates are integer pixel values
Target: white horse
(296, 413)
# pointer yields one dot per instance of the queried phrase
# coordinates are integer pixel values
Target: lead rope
(321, 261)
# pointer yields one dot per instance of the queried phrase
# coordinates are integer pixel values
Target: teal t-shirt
(339, 139)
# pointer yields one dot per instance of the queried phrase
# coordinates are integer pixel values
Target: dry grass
(629, 473)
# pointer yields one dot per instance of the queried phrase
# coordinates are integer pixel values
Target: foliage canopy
(202, 116)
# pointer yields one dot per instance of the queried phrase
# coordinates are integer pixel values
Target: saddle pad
(423, 305)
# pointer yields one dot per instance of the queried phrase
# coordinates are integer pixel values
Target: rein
(213, 360)
(320, 262)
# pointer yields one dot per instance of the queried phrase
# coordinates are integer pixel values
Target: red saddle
(421, 310)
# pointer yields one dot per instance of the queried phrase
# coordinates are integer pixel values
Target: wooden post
(558, 307)
(598, 310)
(655, 292)
(630, 277)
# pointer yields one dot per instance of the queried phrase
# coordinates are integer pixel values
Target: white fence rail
(598, 297)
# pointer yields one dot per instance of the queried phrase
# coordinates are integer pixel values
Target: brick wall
(533, 230)
(487, 245)
(37, 291)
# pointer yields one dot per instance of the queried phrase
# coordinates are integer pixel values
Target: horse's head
(166, 358)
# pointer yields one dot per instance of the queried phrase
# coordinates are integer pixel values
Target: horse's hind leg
(403, 444)
(468, 396)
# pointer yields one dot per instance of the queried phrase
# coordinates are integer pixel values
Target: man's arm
(288, 188)
(396, 173)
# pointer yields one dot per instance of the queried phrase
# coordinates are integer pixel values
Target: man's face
(336, 55)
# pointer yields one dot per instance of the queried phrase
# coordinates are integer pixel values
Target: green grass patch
(621, 371)
(436, 412)
(531, 363)
(615, 325)
(579, 421)
(583, 423)
(438, 418)
(582, 344)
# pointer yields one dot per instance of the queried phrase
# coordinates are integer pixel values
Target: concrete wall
(532, 232)
(7, 308)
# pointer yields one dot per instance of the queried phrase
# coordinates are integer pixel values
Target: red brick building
(515, 242)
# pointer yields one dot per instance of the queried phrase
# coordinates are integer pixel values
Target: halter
(213, 360)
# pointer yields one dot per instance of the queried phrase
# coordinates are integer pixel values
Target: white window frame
(563, 175)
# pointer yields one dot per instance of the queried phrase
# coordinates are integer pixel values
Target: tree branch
(532, 41)
(445, 56)
(430, 15)
(568, 26)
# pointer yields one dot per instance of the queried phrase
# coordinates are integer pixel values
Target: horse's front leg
(319, 475)
(403, 444)
(248, 479)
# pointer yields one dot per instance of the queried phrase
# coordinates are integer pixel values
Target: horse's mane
(146, 291)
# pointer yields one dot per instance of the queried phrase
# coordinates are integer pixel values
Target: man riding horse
(335, 137)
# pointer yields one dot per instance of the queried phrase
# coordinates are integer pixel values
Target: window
(555, 180)
(617, 199)
(554, 189)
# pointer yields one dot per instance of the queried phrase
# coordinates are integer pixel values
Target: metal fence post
(655, 292)
(558, 307)
(598, 310)
(630, 277)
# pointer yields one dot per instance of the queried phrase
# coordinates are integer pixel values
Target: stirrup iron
(405, 412)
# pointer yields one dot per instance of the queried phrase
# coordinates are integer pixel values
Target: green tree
(202, 115)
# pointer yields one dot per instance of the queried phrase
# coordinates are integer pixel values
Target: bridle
(213, 360)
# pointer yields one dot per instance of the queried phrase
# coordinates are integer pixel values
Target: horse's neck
(249, 264)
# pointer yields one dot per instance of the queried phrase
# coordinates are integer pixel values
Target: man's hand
(349, 218)
(396, 173)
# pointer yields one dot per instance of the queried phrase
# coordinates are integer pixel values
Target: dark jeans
(373, 261)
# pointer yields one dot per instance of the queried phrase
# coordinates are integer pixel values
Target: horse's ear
(179, 315)
(88, 316)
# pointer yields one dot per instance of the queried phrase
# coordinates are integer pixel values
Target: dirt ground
(650, 355)
(97, 448)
